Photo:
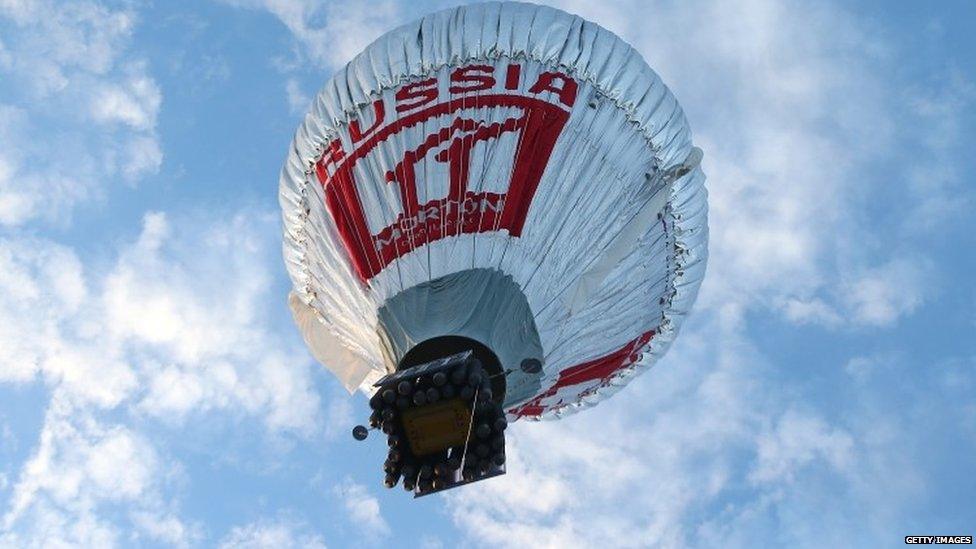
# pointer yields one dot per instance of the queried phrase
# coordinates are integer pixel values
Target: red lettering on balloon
(378, 114)
(536, 125)
(566, 90)
(512, 76)
(475, 78)
(416, 95)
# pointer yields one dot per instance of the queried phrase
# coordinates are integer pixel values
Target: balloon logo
(533, 133)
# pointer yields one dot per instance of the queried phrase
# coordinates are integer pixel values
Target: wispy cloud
(363, 509)
(298, 100)
(331, 34)
(881, 295)
(284, 533)
(81, 467)
(154, 335)
(160, 331)
(79, 109)
(796, 115)
(936, 186)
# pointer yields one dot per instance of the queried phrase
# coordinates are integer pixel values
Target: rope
(464, 453)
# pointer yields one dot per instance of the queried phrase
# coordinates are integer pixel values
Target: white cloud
(331, 34)
(339, 415)
(166, 529)
(213, 349)
(363, 509)
(864, 369)
(158, 326)
(142, 156)
(431, 542)
(794, 442)
(155, 334)
(936, 184)
(796, 114)
(279, 534)
(880, 296)
(86, 108)
(635, 471)
(52, 44)
(812, 311)
(709, 449)
(134, 102)
(5, 57)
(870, 296)
(80, 468)
(298, 100)
(43, 288)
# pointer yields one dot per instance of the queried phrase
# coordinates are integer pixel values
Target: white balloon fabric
(506, 172)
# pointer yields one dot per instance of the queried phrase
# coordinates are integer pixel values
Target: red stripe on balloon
(600, 369)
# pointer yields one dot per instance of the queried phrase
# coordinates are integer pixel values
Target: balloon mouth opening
(444, 346)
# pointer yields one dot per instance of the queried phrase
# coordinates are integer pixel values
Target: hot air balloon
(491, 214)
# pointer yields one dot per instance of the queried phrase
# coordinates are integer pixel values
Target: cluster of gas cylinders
(482, 452)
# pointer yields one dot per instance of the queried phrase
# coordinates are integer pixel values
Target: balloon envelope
(504, 174)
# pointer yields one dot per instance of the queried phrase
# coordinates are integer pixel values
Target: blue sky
(153, 391)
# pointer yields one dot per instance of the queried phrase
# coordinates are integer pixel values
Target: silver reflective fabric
(480, 304)
(503, 137)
